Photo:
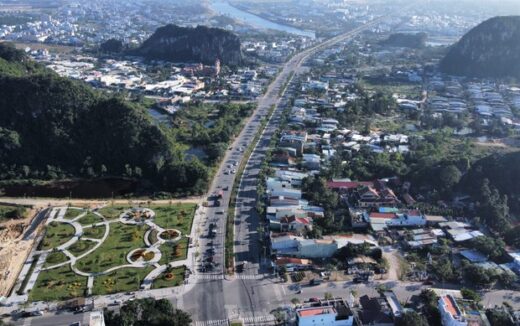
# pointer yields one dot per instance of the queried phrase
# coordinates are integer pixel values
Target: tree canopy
(147, 312)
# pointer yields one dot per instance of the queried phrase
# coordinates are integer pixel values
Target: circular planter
(169, 235)
(144, 256)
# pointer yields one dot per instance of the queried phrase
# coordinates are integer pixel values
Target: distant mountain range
(491, 49)
(186, 44)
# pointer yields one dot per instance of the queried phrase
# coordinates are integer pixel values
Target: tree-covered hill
(492, 49)
(52, 128)
(186, 44)
(503, 173)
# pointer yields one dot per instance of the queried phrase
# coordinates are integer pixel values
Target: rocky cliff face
(200, 44)
(492, 49)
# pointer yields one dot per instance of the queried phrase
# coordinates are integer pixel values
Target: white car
(233, 171)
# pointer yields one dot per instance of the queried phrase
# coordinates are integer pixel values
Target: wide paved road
(216, 296)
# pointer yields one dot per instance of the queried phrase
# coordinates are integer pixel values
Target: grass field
(62, 283)
(54, 258)
(170, 254)
(178, 277)
(121, 280)
(58, 284)
(176, 216)
(90, 219)
(57, 234)
(121, 240)
(113, 212)
(94, 232)
(81, 247)
(72, 213)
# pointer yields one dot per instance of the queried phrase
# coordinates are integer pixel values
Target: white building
(334, 312)
(451, 315)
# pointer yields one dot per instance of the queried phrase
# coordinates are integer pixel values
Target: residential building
(334, 312)
(451, 315)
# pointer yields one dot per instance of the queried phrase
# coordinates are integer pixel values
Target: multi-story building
(451, 314)
(334, 312)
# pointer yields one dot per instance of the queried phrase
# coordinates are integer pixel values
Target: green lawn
(72, 213)
(61, 283)
(94, 232)
(54, 258)
(58, 284)
(121, 240)
(121, 280)
(161, 281)
(113, 212)
(169, 254)
(81, 247)
(90, 218)
(57, 234)
(175, 216)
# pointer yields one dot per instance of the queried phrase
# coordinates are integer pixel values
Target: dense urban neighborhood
(242, 162)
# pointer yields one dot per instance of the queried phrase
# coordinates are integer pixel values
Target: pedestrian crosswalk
(208, 277)
(259, 320)
(250, 320)
(249, 276)
(212, 322)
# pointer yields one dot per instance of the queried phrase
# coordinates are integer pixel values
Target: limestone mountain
(491, 49)
(186, 44)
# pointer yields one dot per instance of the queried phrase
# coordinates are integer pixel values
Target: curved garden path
(78, 235)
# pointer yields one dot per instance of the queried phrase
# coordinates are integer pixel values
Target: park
(108, 250)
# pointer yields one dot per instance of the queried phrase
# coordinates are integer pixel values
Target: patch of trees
(12, 212)
(111, 46)
(147, 312)
(52, 127)
(499, 317)
(485, 277)
(316, 191)
(365, 106)
(411, 318)
(502, 171)
(430, 308)
(409, 40)
(493, 248)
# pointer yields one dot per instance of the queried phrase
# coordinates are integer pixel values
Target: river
(224, 8)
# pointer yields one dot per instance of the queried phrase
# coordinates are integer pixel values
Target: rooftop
(313, 311)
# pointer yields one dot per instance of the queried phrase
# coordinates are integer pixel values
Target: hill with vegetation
(491, 49)
(407, 40)
(54, 128)
(186, 44)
